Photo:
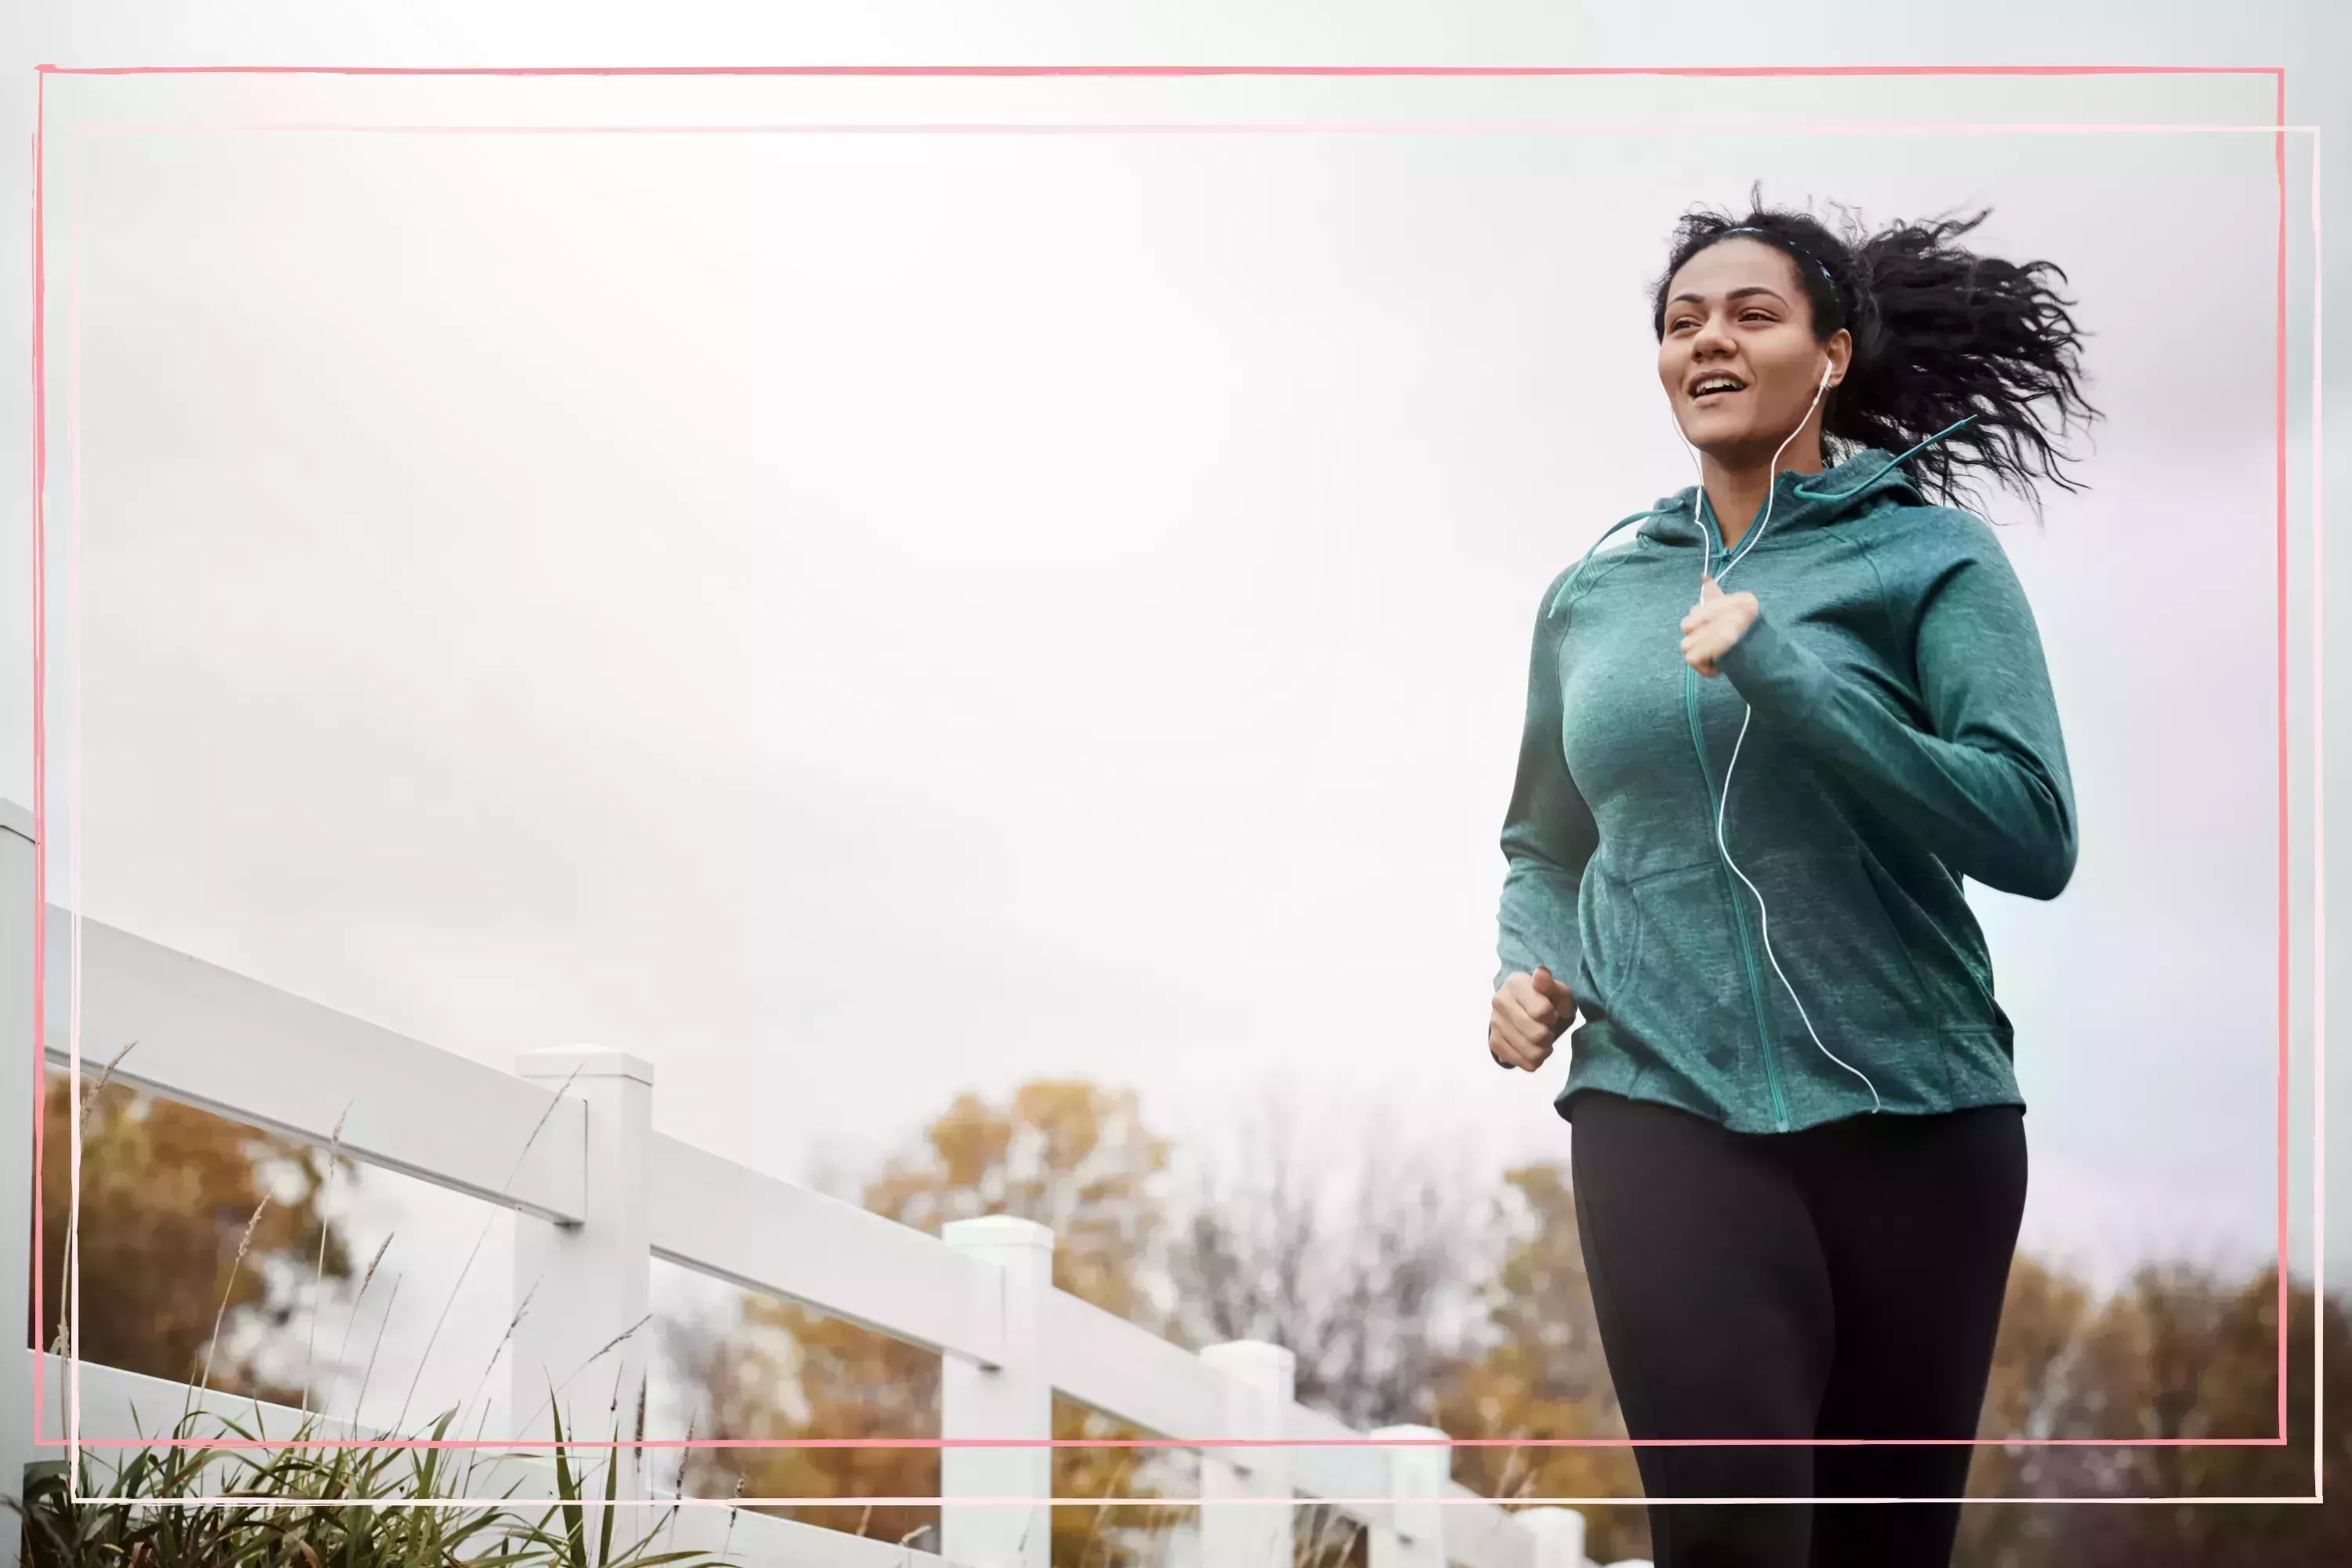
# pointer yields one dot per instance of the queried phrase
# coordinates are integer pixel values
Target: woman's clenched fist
(1529, 1013)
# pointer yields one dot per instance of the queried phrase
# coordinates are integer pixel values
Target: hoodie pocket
(1670, 970)
(1836, 944)
(1612, 945)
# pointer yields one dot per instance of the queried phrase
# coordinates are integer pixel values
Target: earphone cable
(1722, 845)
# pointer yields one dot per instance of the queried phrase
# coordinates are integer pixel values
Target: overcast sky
(856, 618)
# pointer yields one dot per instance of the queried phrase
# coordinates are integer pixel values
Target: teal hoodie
(1903, 738)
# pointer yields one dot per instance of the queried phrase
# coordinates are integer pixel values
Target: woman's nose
(1709, 336)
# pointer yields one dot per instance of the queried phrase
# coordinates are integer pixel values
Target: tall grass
(289, 1501)
(311, 1508)
(294, 1506)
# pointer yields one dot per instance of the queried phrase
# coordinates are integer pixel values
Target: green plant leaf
(575, 1527)
(612, 1484)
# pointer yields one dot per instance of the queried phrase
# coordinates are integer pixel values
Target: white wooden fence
(566, 1140)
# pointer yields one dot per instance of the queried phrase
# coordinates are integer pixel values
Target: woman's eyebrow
(1735, 294)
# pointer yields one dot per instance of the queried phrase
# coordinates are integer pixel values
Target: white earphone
(1707, 538)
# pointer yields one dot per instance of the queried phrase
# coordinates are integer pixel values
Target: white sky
(852, 619)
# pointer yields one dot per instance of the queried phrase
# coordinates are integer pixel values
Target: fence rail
(566, 1141)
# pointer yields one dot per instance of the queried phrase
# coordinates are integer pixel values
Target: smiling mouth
(1714, 395)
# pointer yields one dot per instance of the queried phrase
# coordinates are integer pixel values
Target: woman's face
(1735, 310)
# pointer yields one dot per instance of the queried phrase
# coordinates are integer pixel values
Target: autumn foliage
(171, 1195)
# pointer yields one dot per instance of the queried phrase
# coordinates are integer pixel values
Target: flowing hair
(1939, 333)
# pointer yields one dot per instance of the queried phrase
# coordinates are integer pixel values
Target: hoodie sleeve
(1548, 833)
(1986, 784)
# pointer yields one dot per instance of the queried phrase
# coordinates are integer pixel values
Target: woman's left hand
(1717, 622)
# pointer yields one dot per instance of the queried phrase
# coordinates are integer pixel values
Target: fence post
(22, 1070)
(1260, 1382)
(1009, 1399)
(1560, 1536)
(588, 1283)
(1417, 1478)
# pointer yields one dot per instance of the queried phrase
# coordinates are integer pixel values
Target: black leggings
(1843, 1281)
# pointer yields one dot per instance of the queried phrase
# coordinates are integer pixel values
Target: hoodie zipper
(1715, 803)
(1738, 915)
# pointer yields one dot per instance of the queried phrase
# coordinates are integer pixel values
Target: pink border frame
(39, 628)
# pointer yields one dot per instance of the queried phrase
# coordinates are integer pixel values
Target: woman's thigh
(1715, 1308)
(1918, 1219)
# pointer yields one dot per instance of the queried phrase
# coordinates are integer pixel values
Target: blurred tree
(1066, 1154)
(1363, 1264)
(167, 1193)
(2042, 1322)
(2179, 1353)
(1362, 1260)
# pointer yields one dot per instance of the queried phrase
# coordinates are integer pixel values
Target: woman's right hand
(1529, 1013)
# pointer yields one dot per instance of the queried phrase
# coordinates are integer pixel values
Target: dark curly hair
(1939, 333)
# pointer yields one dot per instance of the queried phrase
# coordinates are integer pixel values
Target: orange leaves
(166, 1194)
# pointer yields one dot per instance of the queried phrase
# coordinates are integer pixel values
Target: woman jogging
(1766, 742)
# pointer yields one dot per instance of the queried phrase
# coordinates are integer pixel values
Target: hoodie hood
(1863, 482)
